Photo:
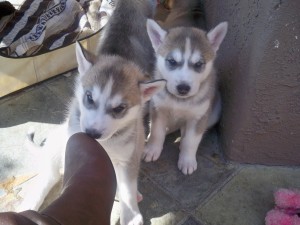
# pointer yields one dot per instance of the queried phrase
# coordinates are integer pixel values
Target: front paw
(27, 204)
(137, 220)
(187, 164)
(131, 218)
(151, 153)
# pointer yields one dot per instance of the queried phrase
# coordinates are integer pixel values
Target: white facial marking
(196, 57)
(96, 93)
(177, 55)
(106, 91)
(115, 101)
(188, 50)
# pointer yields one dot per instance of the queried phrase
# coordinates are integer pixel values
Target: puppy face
(109, 98)
(111, 92)
(184, 63)
(184, 56)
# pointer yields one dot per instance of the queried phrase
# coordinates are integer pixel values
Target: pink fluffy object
(285, 198)
(277, 217)
(287, 210)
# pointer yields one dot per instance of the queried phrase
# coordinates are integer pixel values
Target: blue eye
(171, 62)
(89, 98)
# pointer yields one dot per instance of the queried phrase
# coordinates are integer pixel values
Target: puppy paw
(151, 153)
(187, 164)
(137, 220)
(27, 204)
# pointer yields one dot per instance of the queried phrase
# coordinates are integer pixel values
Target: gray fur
(126, 36)
(125, 58)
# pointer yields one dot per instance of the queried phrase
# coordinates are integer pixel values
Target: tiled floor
(218, 193)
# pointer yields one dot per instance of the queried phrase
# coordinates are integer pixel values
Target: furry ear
(84, 59)
(156, 33)
(148, 89)
(216, 35)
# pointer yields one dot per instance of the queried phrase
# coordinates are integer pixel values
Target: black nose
(183, 89)
(93, 133)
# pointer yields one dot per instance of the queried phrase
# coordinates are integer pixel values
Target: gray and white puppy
(190, 100)
(110, 94)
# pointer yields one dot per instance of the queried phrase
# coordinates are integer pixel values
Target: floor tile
(157, 207)
(63, 86)
(191, 221)
(247, 198)
(188, 190)
(36, 105)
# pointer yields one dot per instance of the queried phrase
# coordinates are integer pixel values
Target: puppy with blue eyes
(190, 100)
(110, 94)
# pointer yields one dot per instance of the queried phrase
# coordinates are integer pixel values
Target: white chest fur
(181, 110)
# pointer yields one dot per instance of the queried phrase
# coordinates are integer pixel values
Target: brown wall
(259, 68)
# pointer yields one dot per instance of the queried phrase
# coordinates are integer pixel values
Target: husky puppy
(190, 100)
(110, 94)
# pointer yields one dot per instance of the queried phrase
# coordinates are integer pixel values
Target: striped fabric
(44, 25)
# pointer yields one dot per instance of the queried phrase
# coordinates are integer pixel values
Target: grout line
(181, 208)
(165, 191)
(185, 218)
(65, 105)
(19, 93)
(64, 102)
(53, 93)
(220, 186)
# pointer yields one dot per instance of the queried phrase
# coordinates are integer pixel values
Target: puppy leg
(190, 140)
(156, 139)
(127, 188)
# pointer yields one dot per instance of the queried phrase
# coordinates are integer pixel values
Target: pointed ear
(148, 89)
(156, 33)
(216, 35)
(84, 59)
